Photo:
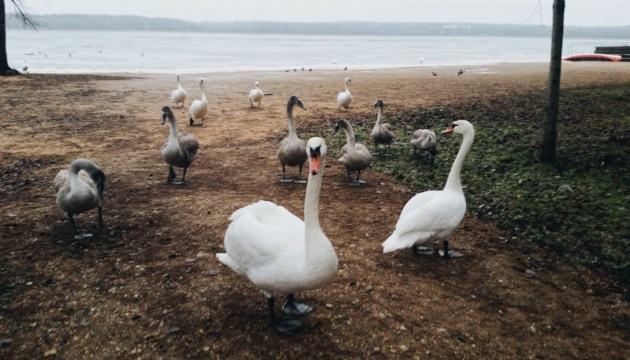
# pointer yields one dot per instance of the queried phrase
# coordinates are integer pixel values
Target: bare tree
(5, 69)
(550, 136)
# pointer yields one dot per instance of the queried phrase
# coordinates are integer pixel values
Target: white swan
(434, 215)
(424, 140)
(381, 132)
(278, 252)
(179, 149)
(256, 95)
(292, 151)
(199, 108)
(344, 98)
(179, 95)
(79, 189)
(354, 156)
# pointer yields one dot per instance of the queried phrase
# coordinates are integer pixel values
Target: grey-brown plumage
(424, 140)
(179, 150)
(354, 156)
(292, 151)
(78, 189)
(381, 132)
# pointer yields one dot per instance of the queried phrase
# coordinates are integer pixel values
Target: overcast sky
(577, 13)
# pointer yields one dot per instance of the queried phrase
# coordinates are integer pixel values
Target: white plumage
(344, 98)
(277, 251)
(256, 95)
(434, 215)
(199, 108)
(179, 95)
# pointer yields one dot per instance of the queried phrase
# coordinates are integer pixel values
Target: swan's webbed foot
(82, 236)
(294, 308)
(286, 327)
(356, 182)
(423, 250)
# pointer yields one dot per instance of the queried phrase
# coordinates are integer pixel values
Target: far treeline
(139, 23)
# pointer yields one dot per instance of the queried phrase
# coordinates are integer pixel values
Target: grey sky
(577, 13)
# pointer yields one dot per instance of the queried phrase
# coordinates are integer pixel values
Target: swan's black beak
(164, 117)
(300, 104)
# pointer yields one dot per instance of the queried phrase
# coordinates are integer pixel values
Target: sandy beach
(149, 286)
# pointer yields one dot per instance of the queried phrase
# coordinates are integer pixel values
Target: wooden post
(550, 136)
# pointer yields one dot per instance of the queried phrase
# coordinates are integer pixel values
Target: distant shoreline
(139, 23)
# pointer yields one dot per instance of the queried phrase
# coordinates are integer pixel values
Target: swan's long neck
(347, 88)
(292, 131)
(349, 135)
(454, 181)
(203, 94)
(311, 201)
(379, 117)
(173, 125)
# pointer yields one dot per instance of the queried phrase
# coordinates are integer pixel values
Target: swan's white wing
(426, 215)
(260, 236)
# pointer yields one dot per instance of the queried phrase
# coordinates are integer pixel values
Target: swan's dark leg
(77, 234)
(446, 254)
(283, 326)
(191, 121)
(294, 308)
(251, 103)
(299, 180)
(433, 151)
(356, 182)
(101, 223)
(73, 224)
(183, 179)
(171, 175)
(449, 254)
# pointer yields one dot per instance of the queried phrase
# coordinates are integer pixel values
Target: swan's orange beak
(448, 130)
(314, 164)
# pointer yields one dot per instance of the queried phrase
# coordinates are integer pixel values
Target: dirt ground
(149, 286)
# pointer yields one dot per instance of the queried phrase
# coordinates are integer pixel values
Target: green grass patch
(578, 207)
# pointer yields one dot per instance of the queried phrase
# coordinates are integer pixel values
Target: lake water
(176, 52)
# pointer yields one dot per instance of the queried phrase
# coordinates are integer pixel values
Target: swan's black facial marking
(316, 151)
(378, 104)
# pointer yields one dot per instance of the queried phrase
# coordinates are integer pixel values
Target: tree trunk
(550, 136)
(4, 63)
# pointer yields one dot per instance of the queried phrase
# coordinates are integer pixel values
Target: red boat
(593, 57)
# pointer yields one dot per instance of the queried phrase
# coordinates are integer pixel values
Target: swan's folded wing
(60, 179)
(189, 143)
(431, 213)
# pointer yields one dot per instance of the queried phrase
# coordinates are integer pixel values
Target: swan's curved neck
(347, 88)
(173, 125)
(203, 94)
(349, 135)
(292, 131)
(454, 181)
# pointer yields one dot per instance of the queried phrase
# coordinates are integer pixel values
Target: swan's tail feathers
(392, 243)
(396, 242)
(227, 260)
